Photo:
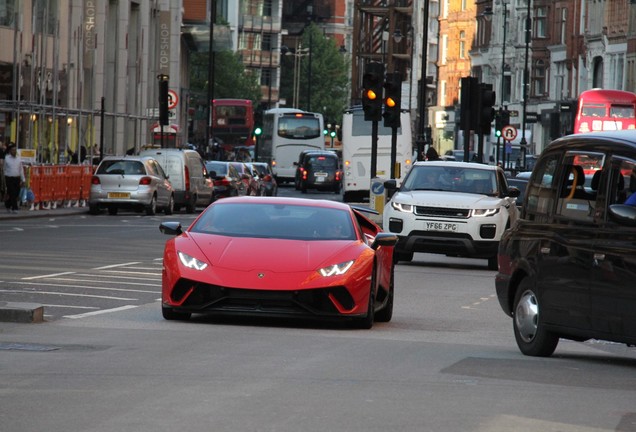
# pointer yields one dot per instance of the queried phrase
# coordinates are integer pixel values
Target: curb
(21, 312)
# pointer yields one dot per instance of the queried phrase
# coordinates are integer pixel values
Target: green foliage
(231, 79)
(329, 76)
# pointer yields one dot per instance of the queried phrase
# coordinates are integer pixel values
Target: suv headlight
(401, 207)
(484, 212)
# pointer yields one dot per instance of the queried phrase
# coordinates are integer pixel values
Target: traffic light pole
(374, 149)
(393, 151)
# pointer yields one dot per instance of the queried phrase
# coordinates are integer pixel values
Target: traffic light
(501, 119)
(486, 110)
(372, 91)
(392, 100)
(163, 100)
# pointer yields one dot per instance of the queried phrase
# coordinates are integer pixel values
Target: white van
(188, 175)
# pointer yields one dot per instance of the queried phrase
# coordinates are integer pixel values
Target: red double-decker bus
(232, 122)
(603, 110)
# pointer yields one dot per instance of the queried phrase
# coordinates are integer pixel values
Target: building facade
(83, 73)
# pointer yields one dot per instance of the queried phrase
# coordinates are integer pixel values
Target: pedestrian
(3, 184)
(14, 177)
(431, 154)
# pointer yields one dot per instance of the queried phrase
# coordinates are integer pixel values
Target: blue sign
(377, 188)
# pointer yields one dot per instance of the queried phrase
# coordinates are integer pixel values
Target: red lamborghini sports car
(283, 257)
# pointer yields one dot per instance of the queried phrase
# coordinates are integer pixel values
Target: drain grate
(9, 346)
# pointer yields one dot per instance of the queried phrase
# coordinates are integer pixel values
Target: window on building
(563, 26)
(442, 92)
(45, 15)
(462, 44)
(266, 77)
(540, 22)
(463, 5)
(444, 49)
(7, 12)
(560, 90)
(507, 85)
(266, 42)
(538, 78)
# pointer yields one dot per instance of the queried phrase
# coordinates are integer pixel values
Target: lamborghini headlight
(336, 269)
(191, 262)
(484, 212)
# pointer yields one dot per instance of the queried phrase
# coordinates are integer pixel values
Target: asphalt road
(447, 362)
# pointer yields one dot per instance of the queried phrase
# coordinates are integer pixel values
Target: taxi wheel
(533, 339)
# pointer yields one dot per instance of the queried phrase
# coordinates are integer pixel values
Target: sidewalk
(25, 213)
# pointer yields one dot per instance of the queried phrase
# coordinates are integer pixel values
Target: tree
(329, 76)
(231, 79)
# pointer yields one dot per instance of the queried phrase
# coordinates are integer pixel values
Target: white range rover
(452, 208)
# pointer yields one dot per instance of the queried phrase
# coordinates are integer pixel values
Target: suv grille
(443, 212)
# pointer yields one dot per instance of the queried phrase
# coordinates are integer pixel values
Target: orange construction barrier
(34, 177)
(59, 182)
(74, 182)
(87, 175)
(46, 184)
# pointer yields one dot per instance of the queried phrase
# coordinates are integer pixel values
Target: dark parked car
(227, 180)
(269, 187)
(249, 177)
(520, 181)
(320, 170)
(567, 267)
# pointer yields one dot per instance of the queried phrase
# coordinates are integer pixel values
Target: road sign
(173, 99)
(532, 117)
(509, 133)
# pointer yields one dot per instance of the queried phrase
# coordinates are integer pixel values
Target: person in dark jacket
(431, 154)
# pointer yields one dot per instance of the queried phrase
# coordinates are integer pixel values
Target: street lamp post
(298, 54)
(526, 77)
(422, 102)
(488, 13)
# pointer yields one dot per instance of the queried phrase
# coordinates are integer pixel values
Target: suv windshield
(451, 179)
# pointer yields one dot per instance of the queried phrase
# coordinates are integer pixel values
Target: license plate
(124, 195)
(441, 226)
(320, 177)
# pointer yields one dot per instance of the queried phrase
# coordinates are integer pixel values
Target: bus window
(593, 111)
(622, 111)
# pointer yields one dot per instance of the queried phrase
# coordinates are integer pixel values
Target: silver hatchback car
(130, 182)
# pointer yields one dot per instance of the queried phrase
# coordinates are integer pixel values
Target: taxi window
(577, 195)
(542, 189)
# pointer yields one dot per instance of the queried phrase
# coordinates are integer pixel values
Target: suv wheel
(492, 263)
(402, 256)
(532, 337)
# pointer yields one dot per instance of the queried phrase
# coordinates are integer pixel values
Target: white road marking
(47, 276)
(93, 280)
(120, 277)
(116, 265)
(85, 287)
(87, 314)
(67, 294)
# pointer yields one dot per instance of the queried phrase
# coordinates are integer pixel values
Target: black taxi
(567, 268)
